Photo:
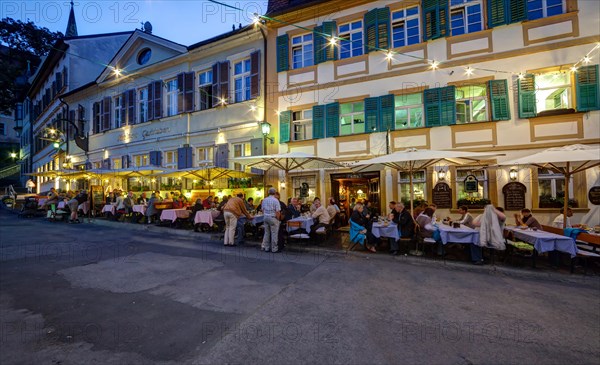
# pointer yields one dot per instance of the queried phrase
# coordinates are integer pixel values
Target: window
(302, 125)
(311, 181)
(465, 16)
(409, 110)
(170, 159)
(351, 39)
(352, 118)
(242, 80)
(419, 186)
(116, 164)
(143, 105)
(205, 156)
(553, 91)
(144, 56)
(172, 92)
(482, 184)
(2, 129)
(544, 8)
(405, 27)
(471, 104)
(118, 111)
(241, 150)
(302, 51)
(551, 187)
(141, 160)
(205, 89)
(98, 165)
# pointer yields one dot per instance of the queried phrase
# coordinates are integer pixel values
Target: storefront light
(513, 174)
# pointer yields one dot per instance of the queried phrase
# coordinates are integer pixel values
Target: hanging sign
(471, 184)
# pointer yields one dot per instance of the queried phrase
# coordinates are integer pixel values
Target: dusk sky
(182, 21)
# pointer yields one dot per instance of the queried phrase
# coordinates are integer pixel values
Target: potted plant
(473, 202)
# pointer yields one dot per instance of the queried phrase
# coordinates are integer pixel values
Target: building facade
(357, 79)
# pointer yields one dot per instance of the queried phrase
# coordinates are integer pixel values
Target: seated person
(359, 219)
(406, 226)
(250, 204)
(142, 200)
(111, 198)
(152, 212)
(197, 206)
(313, 206)
(293, 210)
(51, 199)
(527, 220)
(208, 203)
(178, 203)
(425, 222)
(465, 217)
(559, 220)
(320, 216)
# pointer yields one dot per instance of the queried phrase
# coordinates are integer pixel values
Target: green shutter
(440, 106)
(329, 51)
(586, 80)
(387, 120)
(370, 27)
(383, 28)
(283, 53)
(499, 99)
(285, 121)
(435, 19)
(496, 13)
(332, 120)
(527, 107)
(318, 45)
(318, 121)
(517, 10)
(322, 50)
(371, 114)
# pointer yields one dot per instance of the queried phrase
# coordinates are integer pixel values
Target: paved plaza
(87, 293)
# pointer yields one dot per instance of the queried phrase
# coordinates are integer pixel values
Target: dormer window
(144, 56)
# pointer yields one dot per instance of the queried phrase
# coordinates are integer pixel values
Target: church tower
(71, 25)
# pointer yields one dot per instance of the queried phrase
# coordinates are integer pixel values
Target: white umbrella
(567, 160)
(413, 159)
(207, 173)
(287, 162)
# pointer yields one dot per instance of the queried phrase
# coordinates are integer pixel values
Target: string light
(521, 76)
(253, 108)
(332, 41)
(222, 101)
(117, 71)
(389, 55)
(587, 59)
(277, 112)
(574, 69)
(469, 71)
(434, 64)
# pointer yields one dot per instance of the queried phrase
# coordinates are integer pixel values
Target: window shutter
(318, 45)
(157, 101)
(370, 27)
(371, 114)
(383, 28)
(150, 101)
(188, 89)
(254, 75)
(496, 13)
(586, 81)
(59, 81)
(125, 161)
(517, 10)
(257, 146)
(283, 53)
(332, 120)
(180, 92)
(224, 81)
(440, 106)
(106, 113)
(329, 51)
(499, 99)
(526, 89)
(285, 120)
(123, 111)
(106, 164)
(222, 155)
(96, 116)
(215, 84)
(184, 158)
(435, 19)
(70, 129)
(155, 158)
(318, 121)
(129, 103)
(387, 114)
(65, 76)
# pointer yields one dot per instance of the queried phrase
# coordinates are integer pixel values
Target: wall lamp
(265, 127)
(513, 174)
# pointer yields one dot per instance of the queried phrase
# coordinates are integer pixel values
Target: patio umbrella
(207, 173)
(291, 161)
(567, 160)
(413, 159)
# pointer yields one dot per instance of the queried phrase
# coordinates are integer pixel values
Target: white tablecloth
(41, 201)
(307, 222)
(258, 219)
(463, 234)
(139, 208)
(390, 231)
(61, 205)
(206, 216)
(173, 214)
(545, 241)
(109, 208)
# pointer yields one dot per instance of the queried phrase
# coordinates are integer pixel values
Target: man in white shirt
(465, 217)
(321, 216)
(558, 221)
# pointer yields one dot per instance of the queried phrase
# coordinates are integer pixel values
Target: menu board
(97, 194)
(442, 195)
(514, 196)
(594, 195)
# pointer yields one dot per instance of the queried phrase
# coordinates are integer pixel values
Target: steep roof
(277, 7)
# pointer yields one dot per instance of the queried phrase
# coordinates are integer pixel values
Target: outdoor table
(206, 216)
(545, 241)
(258, 219)
(173, 214)
(389, 231)
(464, 234)
(109, 208)
(139, 208)
(307, 222)
(41, 202)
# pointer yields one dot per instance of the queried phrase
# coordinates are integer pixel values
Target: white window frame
(245, 149)
(116, 163)
(460, 183)
(117, 109)
(540, 91)
(141, 160)
(463, 7)
(301, 125)
(417, 180)
(352, 116)
(553, 178)
(205, 155)
(404, 21)
(208, 77)
(468, 105)
(243, 77)
(170, 159)
(304, 47)
(354, 52)
(171, 97)
(408, 109)
(545, 8)
(142, 105)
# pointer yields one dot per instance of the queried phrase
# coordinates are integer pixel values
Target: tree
(21, 42)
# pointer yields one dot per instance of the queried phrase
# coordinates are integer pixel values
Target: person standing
(74, 203)
(232, 210)
(272, 212)
(30, 185)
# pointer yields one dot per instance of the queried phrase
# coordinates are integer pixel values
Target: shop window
(409, 110)
(419, 187)
(478, 197)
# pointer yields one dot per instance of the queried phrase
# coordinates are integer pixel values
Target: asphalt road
(89, 294)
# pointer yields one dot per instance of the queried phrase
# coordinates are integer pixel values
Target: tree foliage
(21, 42)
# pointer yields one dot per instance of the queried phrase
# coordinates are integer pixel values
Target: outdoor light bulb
(51, 131)
(332, 41)
(277, 112)
(117, 71)
(434, 64)
(153, 180)
(587, 59)
(106, 180)
(256, 19)
(13, 155)
(253, 108)
(469, 71)
(521, 76)
(211, 183)
(389, 56)
(222, 101)
(574, 69)
(195, 181)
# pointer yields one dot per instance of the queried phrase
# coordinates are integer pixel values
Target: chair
(294, 226)
(355, 236)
